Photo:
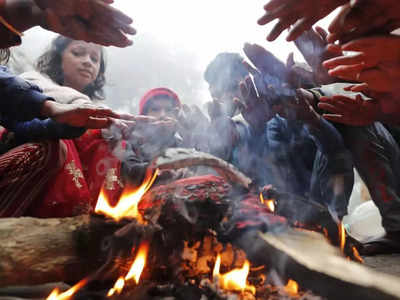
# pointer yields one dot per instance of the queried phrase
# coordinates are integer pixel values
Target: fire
(56, 295)
(235, 280)
(342, 236)
(127, 206)
(134, 272)
(139, 263)
(292, 288)
(269, 203)
(118, 286)
(357, 255)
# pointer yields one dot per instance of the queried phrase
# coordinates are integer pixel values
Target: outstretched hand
(350, 111)
(377, 63)
(313, 45)
(89, 20)
(88, 116)
(365, 17)
(255, 110)
(302, 13)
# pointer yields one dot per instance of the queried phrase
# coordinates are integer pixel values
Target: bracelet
(10, 27)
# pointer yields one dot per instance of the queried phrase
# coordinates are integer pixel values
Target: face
(80, 64)
(226, 98)
(162, 108)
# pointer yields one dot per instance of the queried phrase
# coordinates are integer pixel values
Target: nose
(86, 60)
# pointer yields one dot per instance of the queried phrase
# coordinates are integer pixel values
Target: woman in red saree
(73, 72)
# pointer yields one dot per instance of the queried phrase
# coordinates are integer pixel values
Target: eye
(94, 59)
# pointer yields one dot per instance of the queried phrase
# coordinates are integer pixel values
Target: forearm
(40, 130)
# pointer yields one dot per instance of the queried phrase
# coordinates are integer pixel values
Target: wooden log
(36, 251)
(309, 259)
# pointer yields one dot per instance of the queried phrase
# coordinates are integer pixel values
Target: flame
(292, 288)
(357, 255)
(127, 206)
(235, 280)
(134, 272)
(56, 295)
(269, 203)
(342, 236)
(118, 286)
(139, 263)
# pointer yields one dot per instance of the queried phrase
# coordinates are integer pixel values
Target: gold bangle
(10, 27)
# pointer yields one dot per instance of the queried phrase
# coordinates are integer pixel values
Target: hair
(4, 56)
(225, 71)
(50, 63)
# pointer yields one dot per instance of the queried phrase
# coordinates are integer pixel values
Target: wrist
(48, 109)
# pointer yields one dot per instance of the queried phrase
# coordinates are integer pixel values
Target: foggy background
(176, 40)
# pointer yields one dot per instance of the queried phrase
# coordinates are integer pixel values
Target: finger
(126, 116)
(334, 49)
(300, 26)
(351, 72)
(103, 112)
(336, 26)
(337, 118)
(343, 99)
(290, 60)
(269, 16)
(344, 60)
(274, 4)
(103, 12)
(360, 44)
(357, 88)
(322, 32)
(329, 107)
(97, 123)
(280, 26)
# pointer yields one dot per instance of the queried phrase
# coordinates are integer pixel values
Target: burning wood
(176, 158)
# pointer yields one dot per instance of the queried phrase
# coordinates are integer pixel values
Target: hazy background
(176, 40)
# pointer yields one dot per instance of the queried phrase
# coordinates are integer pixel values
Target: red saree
(74, 190)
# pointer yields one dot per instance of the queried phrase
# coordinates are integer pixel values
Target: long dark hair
(4, 56)
(50, 63)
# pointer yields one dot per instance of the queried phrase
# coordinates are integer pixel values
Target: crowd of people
(301, 128)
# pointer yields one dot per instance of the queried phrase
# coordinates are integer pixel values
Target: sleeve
(61, 94)
(19, 100)
(39, 130)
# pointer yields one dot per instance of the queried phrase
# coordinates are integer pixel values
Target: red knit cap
(144, 102)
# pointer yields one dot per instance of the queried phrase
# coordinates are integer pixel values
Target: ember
(292, 288)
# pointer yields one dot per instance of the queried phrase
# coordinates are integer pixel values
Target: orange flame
(134, 272)
(118, 286)
(342, 236)
(139, 263)
(357, 255)
(292, 288)
(127, 206)
(56, 295)
(269, 203)
(235, 280)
